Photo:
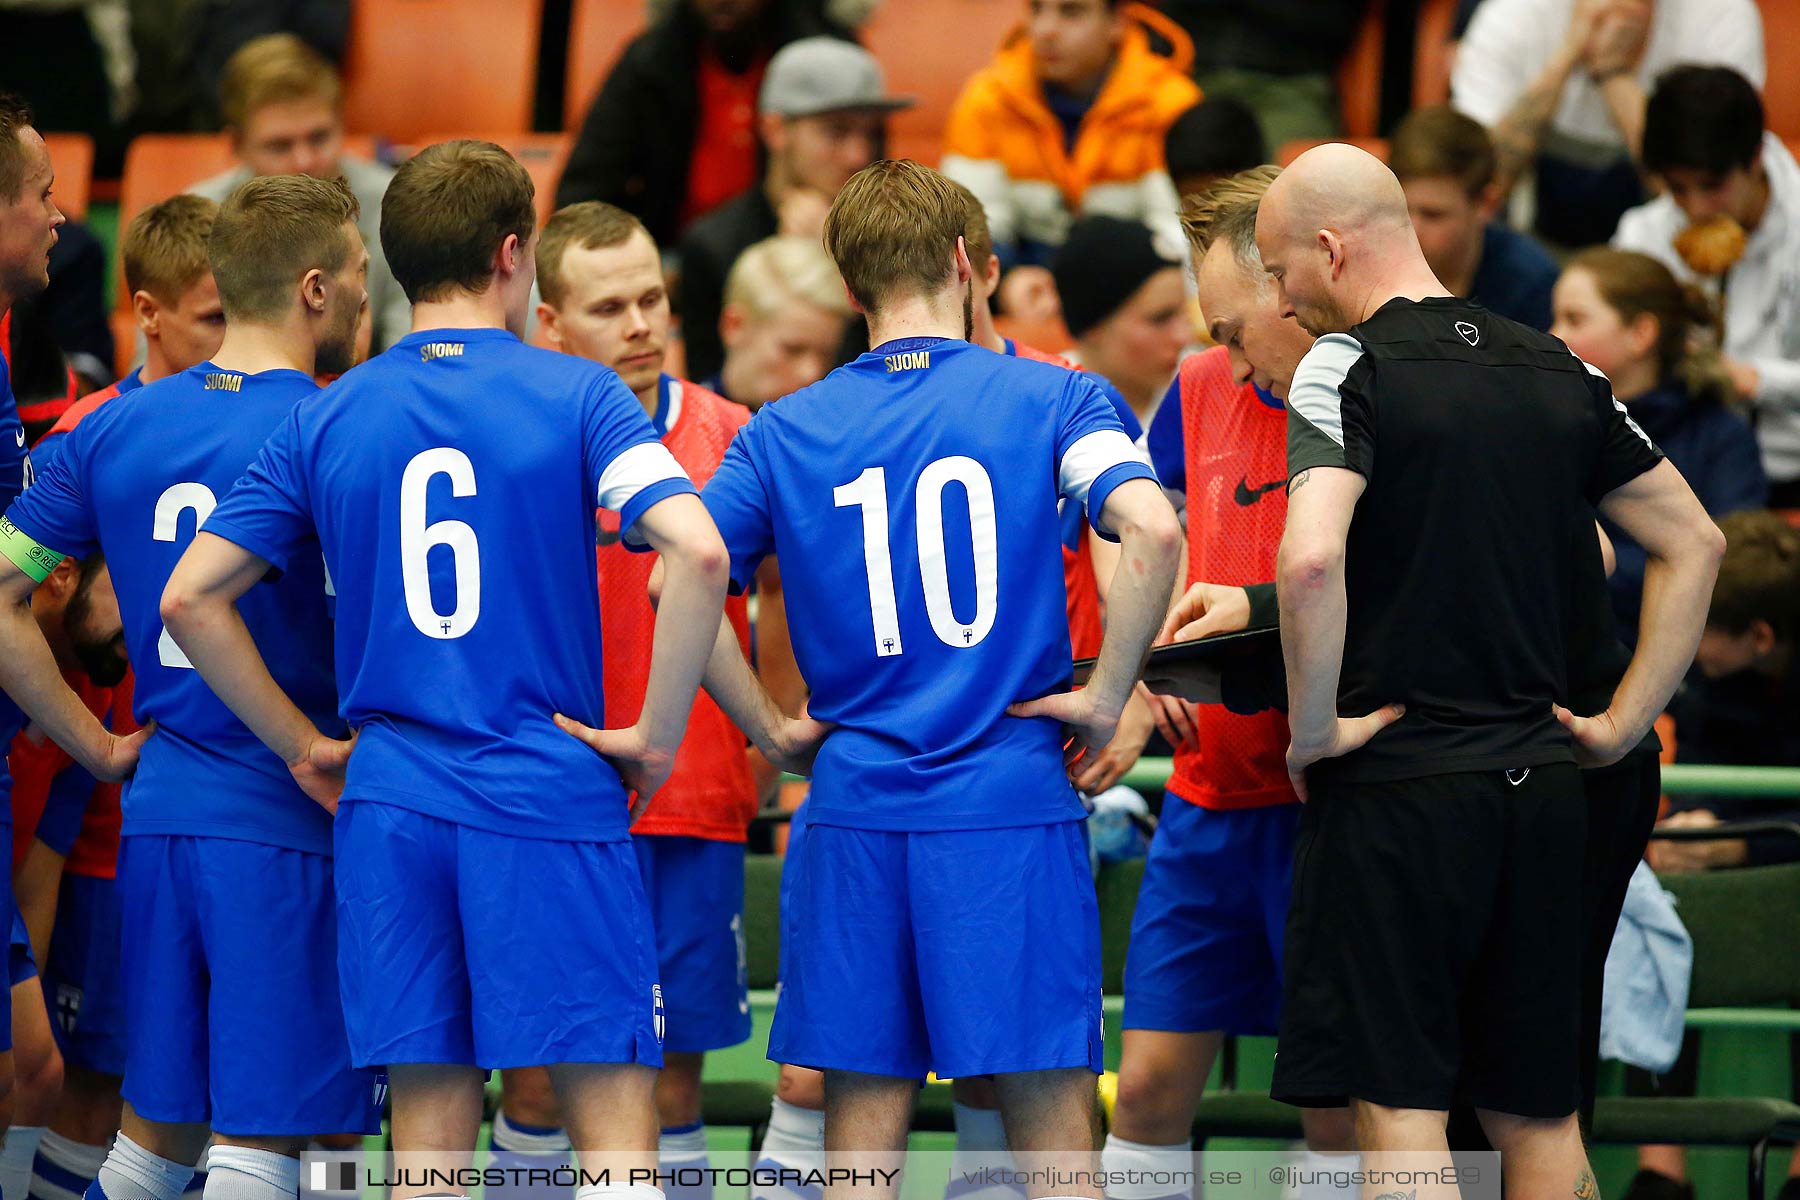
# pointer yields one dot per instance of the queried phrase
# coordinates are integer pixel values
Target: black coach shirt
(1483, 443)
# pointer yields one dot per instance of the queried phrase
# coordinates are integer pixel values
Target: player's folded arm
(738, 503)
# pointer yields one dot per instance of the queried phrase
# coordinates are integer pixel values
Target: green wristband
(35, 560)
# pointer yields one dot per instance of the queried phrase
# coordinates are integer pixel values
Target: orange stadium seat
(417, 65)
(1781, 42)
(541, 154)
(929, 48)
(598, 33)
(72, 157)
(1431, 52)
(1359, 75)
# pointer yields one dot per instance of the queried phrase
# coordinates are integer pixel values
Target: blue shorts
(696, 892)
(965, 952)
(83, 987)
(1206, 934)
(460, 945)
(20, 965)
(232, 1016)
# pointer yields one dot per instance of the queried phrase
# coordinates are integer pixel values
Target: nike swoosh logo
(1247, 495)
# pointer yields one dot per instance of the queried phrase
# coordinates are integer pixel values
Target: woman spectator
(1657, 341)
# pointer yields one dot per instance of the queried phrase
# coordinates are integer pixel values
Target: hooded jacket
(1004, 143)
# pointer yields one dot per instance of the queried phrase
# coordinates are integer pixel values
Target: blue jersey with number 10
(452, 481)
(135, 479)
(911, 498)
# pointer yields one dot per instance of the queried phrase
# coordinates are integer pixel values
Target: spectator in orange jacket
(1069, 120)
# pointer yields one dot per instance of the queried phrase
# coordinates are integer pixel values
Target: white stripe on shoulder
(674, 415)
(1617, 403)
(1091, 456)
(1315, 393)
(634, 470)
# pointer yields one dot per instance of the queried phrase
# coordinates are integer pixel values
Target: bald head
(1339, 187)
(1334, 231)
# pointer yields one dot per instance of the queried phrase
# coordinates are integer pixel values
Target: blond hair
(269, 233)
(164, 247)
(978, 236)
(447, 210)
(269, 70)
(892, 231)
(591, 225)
(1226, 212)
(774, 273)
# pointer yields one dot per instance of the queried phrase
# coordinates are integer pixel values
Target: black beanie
(1103, 261)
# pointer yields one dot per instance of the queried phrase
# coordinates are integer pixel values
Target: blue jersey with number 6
(452, 481)
(135, 479)
(911, 498)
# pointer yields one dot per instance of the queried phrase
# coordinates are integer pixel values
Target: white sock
(1319, 1165)
(1120, 1156)
(527, 1139)
(132, 1171)
(980, 1145)
(795, 1142)
(16, 1156)
(241, 1173)
(64, 1167)
(681, 1145)
(197, 1185)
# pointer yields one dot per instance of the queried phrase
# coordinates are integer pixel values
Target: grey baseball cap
(820, 75)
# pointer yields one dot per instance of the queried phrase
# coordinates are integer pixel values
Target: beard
(1322, 316)
(104, 662)
(337, 353)
(102, 658)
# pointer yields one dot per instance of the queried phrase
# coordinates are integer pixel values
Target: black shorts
(1434, 944)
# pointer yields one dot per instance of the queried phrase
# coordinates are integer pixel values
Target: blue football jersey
(15, 462)
(911, 497)
(452, 481)
(135, 480)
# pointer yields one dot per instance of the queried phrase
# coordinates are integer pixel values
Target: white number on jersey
(868, 491)
(417, 538)
(169, 507)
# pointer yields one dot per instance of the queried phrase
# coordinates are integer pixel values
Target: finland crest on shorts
(68, 1007)
(657, 1017)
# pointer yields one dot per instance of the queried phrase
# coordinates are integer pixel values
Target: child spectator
(282, 109)
(1626, 314)
(1445, 163)
(1070, 119)
(1125, 301)
(784, 321)
(1729, 218)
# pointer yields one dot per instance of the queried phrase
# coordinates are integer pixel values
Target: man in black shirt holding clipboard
(1437, 454)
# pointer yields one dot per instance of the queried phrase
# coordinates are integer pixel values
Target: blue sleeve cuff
(647, 497)
(743, 573)
(246, 540)
(1103, 487)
